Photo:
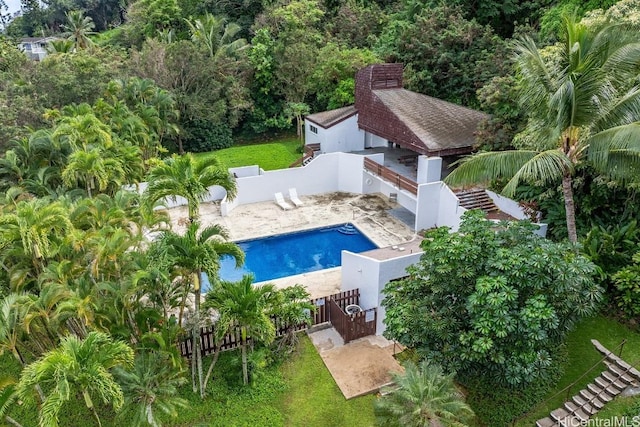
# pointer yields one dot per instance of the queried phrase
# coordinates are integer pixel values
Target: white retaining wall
(325, 174)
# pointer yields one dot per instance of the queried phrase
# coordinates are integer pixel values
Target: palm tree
(60, 46)
(216, 35)
(244, 305)
(32, 232)
(196, 252)
(422, 397)
(579, 111)
(77, 366)
(11, 317)
(93, 169)
(150, 387)
(190, 178)
(79, 28)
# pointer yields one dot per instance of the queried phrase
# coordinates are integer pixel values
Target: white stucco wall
(371, 275)
(371, 141)
(429, 169)
(244, 171)
(449, 210)
(427, 205)
(325, 174)
(344, 136)
(514, 209)
(215, 193)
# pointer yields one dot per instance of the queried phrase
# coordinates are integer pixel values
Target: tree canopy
(490, 300)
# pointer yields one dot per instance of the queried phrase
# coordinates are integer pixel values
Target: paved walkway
(361, 367)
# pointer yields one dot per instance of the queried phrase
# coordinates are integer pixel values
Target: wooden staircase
(477, 199)
(618, 376)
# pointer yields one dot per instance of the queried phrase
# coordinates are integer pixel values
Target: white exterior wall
(371, 141)
(344, 136)
(429, 169)
(371, 275)
(449, 209)
(514, 209)
(244, 171)
(427, 205)
(325, 174)
(312, 137)
(215, 193)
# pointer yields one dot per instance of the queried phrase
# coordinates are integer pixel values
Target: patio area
(361, 367)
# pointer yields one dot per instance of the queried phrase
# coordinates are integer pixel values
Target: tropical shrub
(627, 288)
(202, 135)
(491, 301)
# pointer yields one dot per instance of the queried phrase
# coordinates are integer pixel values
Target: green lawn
(582, 355)
(298, 392)
(269, 156)
(313, 398)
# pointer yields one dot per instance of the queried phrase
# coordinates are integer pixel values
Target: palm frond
(546, 167)
(484, 167)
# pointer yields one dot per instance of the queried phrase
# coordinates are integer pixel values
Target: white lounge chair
(280, 201)
(293, 195)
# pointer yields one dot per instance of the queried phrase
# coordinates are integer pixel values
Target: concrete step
(546, 422)
(607, 377)
(601, 393)
(622, 374)
(559, 414)
(606, 385)
(585, 404)
(576, 411)
(592, 399)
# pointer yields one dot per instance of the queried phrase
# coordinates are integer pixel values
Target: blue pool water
(294, 253)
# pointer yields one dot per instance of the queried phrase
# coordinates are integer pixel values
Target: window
(313, 129)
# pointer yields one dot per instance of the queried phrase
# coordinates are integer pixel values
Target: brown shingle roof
(440, 125)
(326, 119)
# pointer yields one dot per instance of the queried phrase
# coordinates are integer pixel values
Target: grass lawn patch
(269, 156)
(314, 399)
(582, 355)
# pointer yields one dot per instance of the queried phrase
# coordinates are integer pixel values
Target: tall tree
(188, 177)
(78, 366)
(245, 305)
(79, 28)
(194, 253)
(491, 301)
(30, 236)
(579, 112)
(422, 397)
(218, 36)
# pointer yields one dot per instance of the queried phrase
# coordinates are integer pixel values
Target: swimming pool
(288, 254)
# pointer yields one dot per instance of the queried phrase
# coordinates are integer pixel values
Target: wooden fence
(387, 174)
(321, 314)
(353, 326)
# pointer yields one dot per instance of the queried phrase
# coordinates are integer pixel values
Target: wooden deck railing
(308, 153)
(387, 174)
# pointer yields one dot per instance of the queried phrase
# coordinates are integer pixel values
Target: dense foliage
(490, 301)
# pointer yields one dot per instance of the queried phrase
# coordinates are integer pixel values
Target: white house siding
(343, 136)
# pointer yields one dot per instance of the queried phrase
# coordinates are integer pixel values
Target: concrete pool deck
(368, 212)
